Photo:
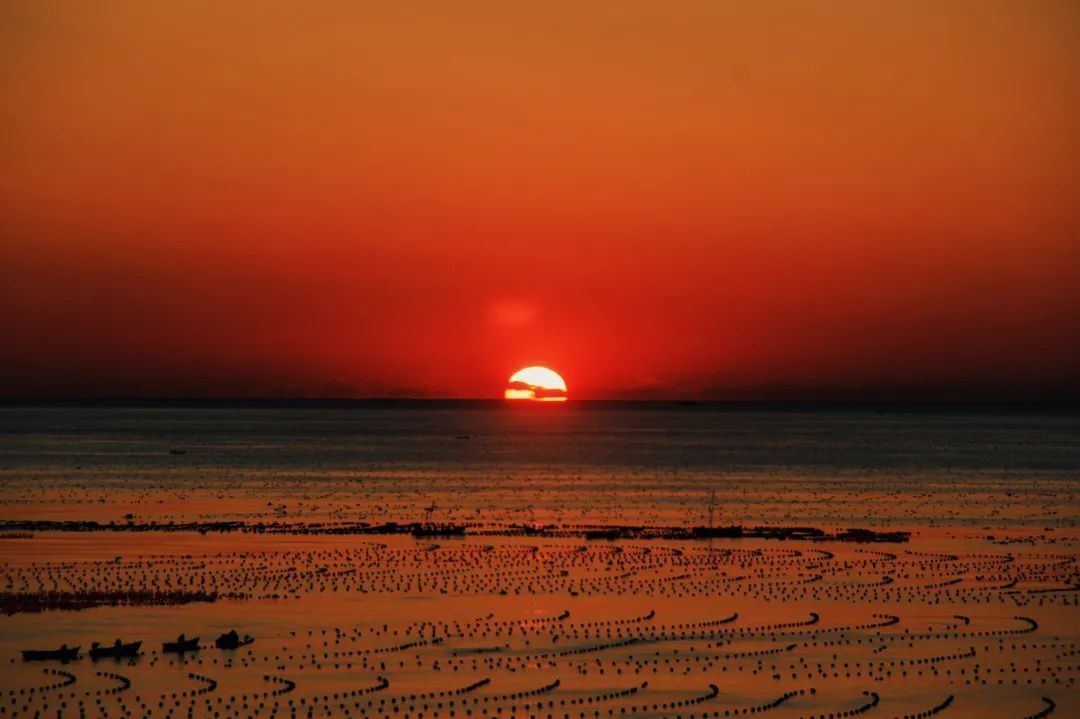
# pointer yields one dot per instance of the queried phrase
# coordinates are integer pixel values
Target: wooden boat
(232, 640)
(117, 650)
(63, 654)
(181, 645)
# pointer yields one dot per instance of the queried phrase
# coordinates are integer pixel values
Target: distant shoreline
(989, 407)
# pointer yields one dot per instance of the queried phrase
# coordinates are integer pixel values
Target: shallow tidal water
(263, 520)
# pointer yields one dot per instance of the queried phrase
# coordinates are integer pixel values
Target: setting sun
(536, 383)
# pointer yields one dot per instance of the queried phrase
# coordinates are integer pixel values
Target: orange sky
(692, 199)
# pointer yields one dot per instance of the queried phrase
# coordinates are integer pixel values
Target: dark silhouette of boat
(63, 654)
(232, 640)
(116, 650)
(181, 645)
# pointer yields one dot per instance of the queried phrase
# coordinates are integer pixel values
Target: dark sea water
(653, 460)
(597, 434)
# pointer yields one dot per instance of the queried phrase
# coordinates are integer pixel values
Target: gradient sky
(657, 199)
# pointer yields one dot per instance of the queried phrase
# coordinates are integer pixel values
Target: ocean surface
(642, 462)
(578, 560)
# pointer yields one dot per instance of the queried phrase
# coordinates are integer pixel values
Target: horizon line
(826, 402)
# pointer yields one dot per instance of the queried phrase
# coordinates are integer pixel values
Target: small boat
(232, 640)
(117, 650)
(63, 654)
(181, 645)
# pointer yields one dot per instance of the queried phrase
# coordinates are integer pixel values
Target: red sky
(694, 199)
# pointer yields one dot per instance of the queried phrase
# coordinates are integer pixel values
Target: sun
(538, 384)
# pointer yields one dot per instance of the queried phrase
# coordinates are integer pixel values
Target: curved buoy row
(444, 693)
(209, 684)
(755, 709)
(931, 711)
(758, 652)
(67, 679)
(872, 700)
(580, 701)
(125, 683)
(286, 685)
(1046, 711)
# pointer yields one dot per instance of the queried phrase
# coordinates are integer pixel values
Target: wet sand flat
(652, 561)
